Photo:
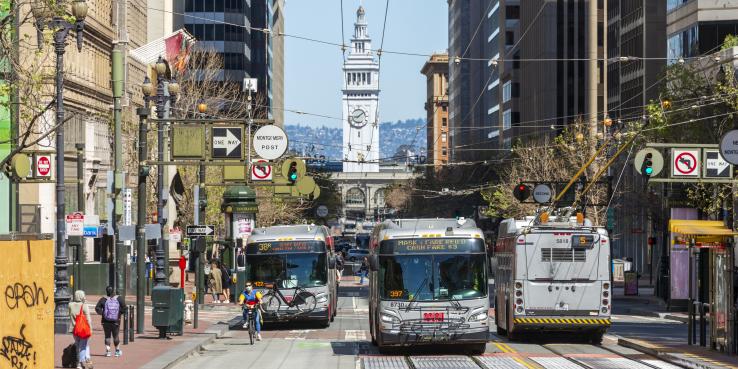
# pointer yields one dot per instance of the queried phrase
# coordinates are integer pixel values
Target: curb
(665, 356)
(655, 314)
(175, 355)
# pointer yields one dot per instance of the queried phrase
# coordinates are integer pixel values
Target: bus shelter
(702, 261)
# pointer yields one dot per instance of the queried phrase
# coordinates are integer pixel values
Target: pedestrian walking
(227, 281)
(363, 270)
(216, 278)
(78, 307)
(339, 267)
(111, 308)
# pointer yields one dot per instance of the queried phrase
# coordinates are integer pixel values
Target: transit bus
(552, 276)
(428, 284)
(294, 256)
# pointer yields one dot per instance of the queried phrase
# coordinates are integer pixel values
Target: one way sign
(200, 230)
(716, 166)
(227, 142)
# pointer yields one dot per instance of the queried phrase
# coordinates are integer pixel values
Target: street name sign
(42, 166)
(542, 193)
(227, 142)
(729, 147)
(200, 230)
(75, 224)
(685, 163)
(270, 142)
(260, 171)
(716, 166)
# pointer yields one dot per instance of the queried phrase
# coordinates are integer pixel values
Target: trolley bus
(428, 284)
(552, 276)
(294, 256)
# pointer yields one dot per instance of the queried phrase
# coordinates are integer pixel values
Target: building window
(512, 12)
(507, 119)
(444, 122)
(444, 152)
(507, 91)
(444, 138)
(444, 108)
(355, 196)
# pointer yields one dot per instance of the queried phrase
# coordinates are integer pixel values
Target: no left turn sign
(260, 172)
(685, 163)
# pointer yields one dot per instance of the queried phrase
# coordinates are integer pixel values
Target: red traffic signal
(522, 192)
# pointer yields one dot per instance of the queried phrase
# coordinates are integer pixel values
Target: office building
(695, 28)
(436, 107)
(635, 29)
(226, 27)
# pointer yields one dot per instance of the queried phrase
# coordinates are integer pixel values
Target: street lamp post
(163, 75)
(46, 17)
(143, 173)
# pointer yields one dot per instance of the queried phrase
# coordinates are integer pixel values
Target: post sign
(542, 193)
(226, 142)
(75, 224)
(175, 234)
(715, 165)
(91, 231)
(261, 172)
(685, 163)
(729, 147)
(270, 142)
(321, 211)
(127, 206)
(42, 166)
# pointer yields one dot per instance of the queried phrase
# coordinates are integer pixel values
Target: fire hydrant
(188, 309)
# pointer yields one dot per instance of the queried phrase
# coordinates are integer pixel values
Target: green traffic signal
(292, 173)
(647, 167)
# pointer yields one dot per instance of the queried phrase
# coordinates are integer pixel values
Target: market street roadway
(345, 344)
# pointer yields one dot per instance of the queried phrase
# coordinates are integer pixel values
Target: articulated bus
(552, 277)
(296, 255)
(428, 284)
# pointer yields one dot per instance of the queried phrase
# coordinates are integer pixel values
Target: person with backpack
(78, 309)
(111, 308)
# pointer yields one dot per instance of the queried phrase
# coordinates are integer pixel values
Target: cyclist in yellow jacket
(250, 299)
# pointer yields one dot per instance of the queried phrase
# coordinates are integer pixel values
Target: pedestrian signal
(522, 192)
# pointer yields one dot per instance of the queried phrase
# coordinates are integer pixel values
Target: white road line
(355, 335)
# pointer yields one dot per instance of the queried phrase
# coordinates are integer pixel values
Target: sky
(313, 71)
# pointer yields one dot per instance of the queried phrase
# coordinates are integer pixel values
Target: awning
(700, 228)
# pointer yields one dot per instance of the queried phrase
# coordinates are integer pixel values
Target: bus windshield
(304, 270)
(432, 277)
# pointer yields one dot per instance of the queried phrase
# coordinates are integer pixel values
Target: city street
(346, 344)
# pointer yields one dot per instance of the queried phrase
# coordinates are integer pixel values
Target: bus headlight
(478, 317)
(322, 299)
(386, 318)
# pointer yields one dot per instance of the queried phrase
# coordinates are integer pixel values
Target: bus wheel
(596, 338)
(477, 348)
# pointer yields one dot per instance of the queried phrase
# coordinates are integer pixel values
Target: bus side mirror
(332, 262)
(373, 263)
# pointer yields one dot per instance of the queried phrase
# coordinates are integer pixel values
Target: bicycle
(302, 300)
(251, 321)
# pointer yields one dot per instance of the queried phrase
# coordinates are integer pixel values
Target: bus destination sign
(431, 245)
(275, 247)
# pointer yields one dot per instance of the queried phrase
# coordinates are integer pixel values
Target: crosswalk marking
(355, 335)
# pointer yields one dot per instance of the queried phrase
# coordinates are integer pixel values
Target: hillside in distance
(311, 140)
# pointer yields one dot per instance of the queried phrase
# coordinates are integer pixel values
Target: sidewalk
(147, 351)
(673, 349)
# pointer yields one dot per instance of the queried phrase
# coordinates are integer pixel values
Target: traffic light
(647, 166)
(292, 173)
(521, 192)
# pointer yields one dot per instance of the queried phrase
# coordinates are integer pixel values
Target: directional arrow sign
(716, 166)
(200, 230)
(227, 142)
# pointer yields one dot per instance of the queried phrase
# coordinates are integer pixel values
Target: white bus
(552, 276)
(428, 284)
(295, 256)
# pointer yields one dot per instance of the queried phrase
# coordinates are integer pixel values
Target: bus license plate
(433, 317)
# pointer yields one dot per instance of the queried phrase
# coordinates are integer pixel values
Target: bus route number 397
(433, 317)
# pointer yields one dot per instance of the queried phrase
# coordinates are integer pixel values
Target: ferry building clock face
(358, 118)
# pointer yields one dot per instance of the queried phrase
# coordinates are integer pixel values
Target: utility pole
(120, 249)
(593, 74)
(80, 208)
(143, 172)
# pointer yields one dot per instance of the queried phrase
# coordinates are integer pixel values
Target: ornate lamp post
(46, 17)
(164, 82)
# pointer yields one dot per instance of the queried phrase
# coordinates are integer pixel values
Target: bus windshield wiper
(454, 301)
(415, 295)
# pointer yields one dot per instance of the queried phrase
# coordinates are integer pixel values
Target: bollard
(131, 318)
(703, 325)
(690, 322)
(125, 328)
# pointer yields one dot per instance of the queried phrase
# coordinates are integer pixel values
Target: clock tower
(359, 103)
